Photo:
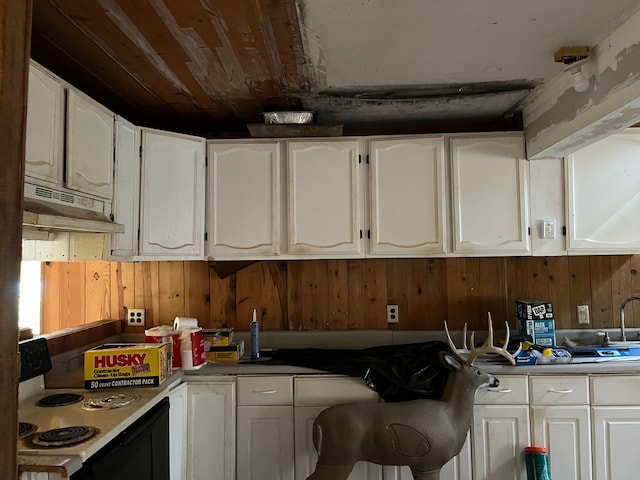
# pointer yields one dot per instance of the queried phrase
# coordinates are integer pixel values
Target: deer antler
(489, 347)
(458, 351)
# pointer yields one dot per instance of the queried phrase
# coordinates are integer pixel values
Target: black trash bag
(396, 372)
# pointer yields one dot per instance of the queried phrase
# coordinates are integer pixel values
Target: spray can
(255, 337)
(537, 463)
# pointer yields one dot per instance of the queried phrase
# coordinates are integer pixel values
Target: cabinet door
(178, 433)
(325, 204)
(407, 196)
(565, 431)
(490, 197)
(45, 120)
(615, 438)
(458, 468)
(243, 217)
(603, 181)
(265, 442)
(126, 201)
(173, 182)
(90, 127)
(211, 430)
(500, 434)
(306, 455)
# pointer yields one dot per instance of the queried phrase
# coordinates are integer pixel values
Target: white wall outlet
(583, 314)
(392, 314)
(549, 229)
(135, 317)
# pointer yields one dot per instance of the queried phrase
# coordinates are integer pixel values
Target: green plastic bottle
(537, 463)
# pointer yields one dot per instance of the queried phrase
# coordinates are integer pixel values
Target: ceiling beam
(558, 120)
(15, 31)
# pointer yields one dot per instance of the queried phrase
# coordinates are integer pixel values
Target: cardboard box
(533, 357)
(127, 365)
(543, 332)
(226, 353)
(218, 336)
(534, 309)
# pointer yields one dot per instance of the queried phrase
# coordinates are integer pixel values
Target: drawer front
(323, 391)
(512, 390)
(559, 390)
(265, 390)
(615, 390)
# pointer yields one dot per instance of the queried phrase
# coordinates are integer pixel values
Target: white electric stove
(70, 425)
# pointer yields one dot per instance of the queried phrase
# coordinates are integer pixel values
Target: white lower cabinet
(560, 422)
(590, 425)
(178, 432)
(500, 435)
(211, 429)
(265, 442)
(500, 430)
(265, 428)
(616, 426)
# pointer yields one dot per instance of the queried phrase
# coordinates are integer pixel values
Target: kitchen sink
(627, 344)
(626, 351)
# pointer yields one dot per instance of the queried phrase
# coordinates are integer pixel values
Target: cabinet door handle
(554, 390)
(265, 391)
(499, 390)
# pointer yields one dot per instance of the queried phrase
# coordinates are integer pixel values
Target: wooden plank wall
(344, 294)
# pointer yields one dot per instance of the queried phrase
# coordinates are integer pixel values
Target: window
(30, 291)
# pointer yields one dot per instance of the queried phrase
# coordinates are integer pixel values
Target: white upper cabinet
(89, 146)
(45, 122)
(325, 204)
(547, 201)
(603, 196)
(173, 196)
(490, 195)
(126, 200)
(78, 156)
(407, 202)
(243, 218)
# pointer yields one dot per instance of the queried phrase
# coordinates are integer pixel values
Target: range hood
(50, 210)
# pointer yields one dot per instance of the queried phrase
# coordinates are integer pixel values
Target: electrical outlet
(583, 314)
(135, 317)
(392, 314)
(549, 229)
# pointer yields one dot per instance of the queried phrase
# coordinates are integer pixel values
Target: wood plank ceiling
(209, 67)
(200, 67)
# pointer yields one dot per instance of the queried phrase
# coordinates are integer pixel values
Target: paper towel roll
(184, 322)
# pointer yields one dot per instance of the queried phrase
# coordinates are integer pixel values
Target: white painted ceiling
(442, 59)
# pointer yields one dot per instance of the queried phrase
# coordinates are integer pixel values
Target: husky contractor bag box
(116, 365)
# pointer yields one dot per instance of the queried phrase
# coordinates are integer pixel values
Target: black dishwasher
(140, 452)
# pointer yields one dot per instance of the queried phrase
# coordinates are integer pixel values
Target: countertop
(247, 368)
(71, 376)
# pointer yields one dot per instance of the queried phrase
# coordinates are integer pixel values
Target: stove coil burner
(25, 429)
(59, 399)
(109, 402)
(62, 437)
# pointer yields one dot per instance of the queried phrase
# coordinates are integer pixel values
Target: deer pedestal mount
(423, 434)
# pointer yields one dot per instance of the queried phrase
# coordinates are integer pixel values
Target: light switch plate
(549, 229)
(583, 314)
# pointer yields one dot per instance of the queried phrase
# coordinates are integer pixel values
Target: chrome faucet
(623, 334)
